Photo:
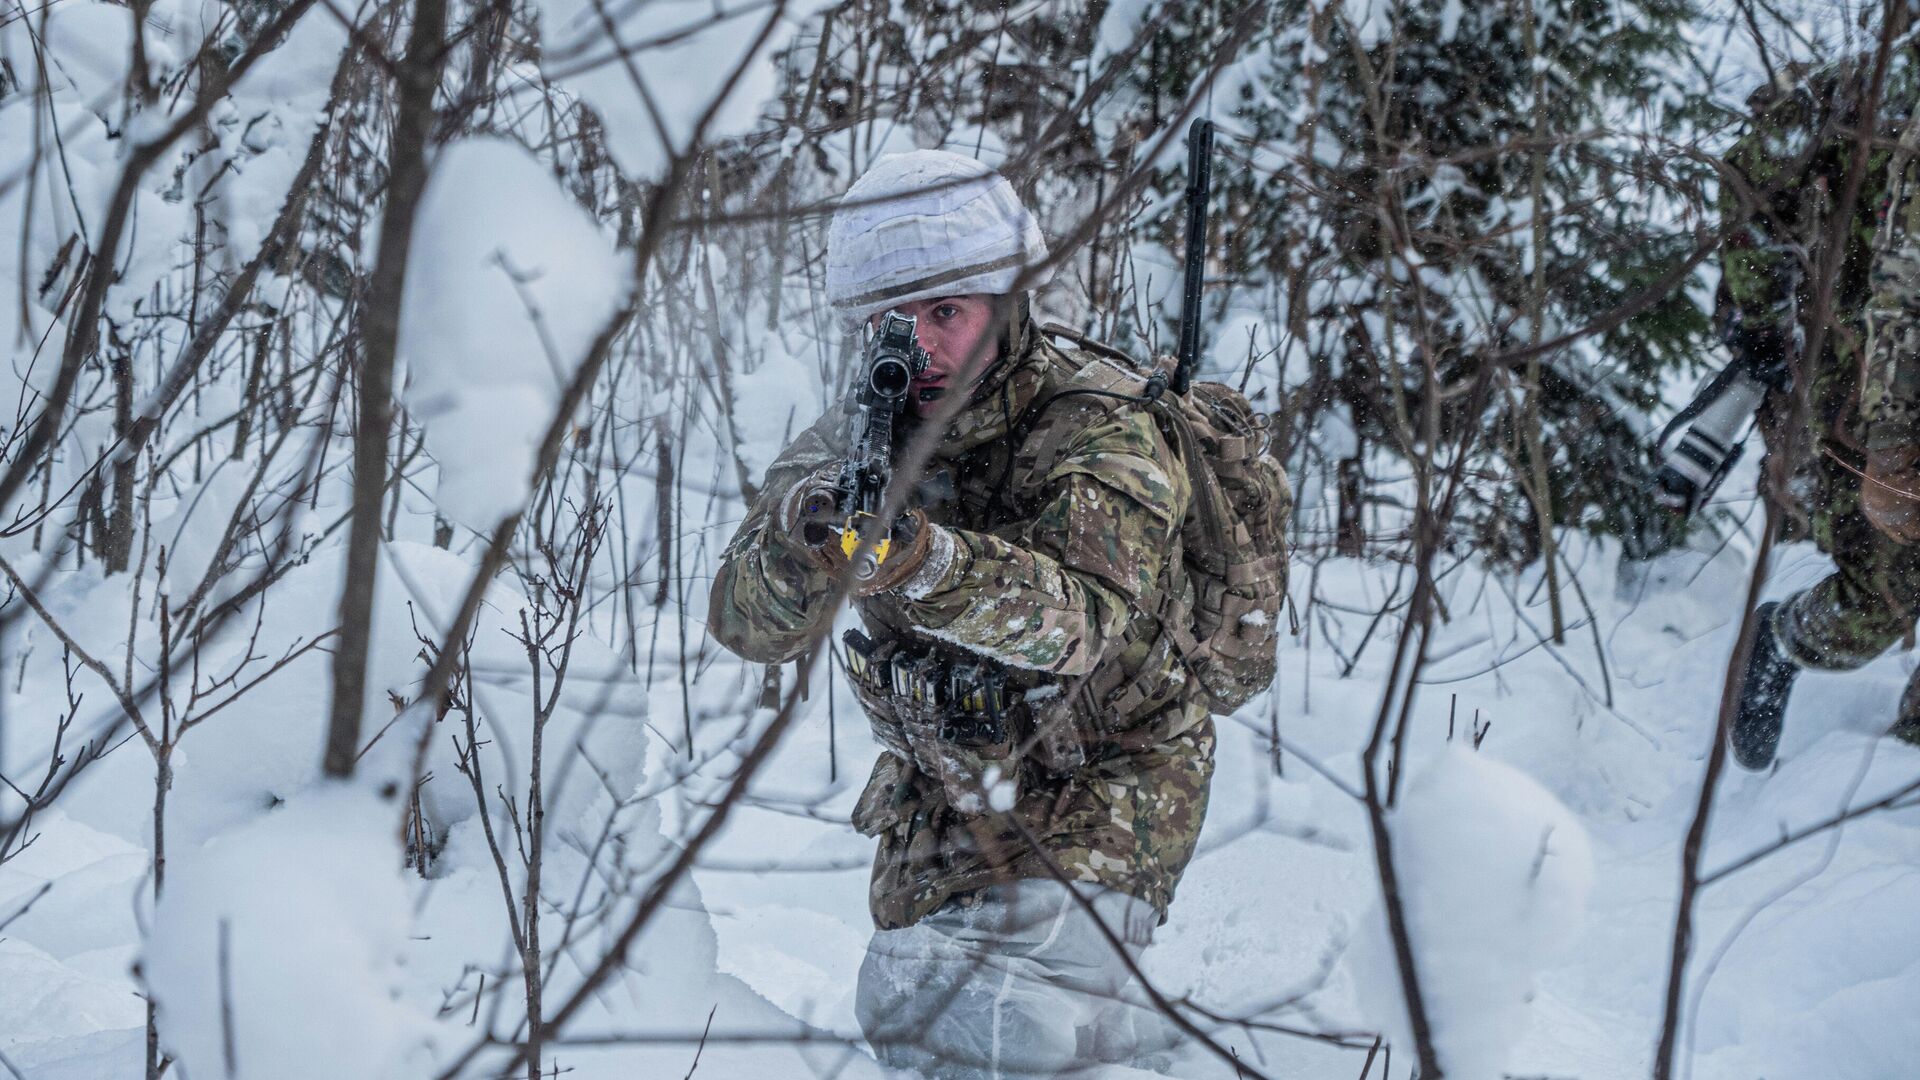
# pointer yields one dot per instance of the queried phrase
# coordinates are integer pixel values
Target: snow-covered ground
(1547, 787)
(1807, 965)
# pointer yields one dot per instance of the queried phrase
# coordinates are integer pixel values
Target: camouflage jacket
(1788, 176)
(1066, 517)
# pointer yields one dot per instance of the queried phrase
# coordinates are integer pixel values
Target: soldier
(1842, 428)
(1039, 563)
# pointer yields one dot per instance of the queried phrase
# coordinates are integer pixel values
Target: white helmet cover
(924, 224)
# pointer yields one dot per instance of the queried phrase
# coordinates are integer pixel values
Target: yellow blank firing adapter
(850, 543)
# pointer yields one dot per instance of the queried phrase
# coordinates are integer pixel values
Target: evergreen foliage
(1385, 185)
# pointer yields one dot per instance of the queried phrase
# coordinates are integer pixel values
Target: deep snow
(1806, 965)
(1542, 866)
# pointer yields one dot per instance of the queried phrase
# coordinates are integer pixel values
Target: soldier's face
(958, 333)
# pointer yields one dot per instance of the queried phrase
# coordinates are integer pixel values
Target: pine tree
(1449, 186)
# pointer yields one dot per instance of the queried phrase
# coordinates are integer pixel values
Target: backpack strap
(1209, 512)
(1097, 383)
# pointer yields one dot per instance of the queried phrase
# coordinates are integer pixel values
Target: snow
(1549, 786)
(271, 943)
(508, 285)
(1371, 20)
(611, 56)
(781, 397)
(1120, 27)
(268, 122)
(191, 533)
(32, 348)
(1499, 874)
(1538, 964)
(1001, 792)
(92, 43)
(44, 1000)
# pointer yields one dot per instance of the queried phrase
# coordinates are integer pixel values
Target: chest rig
(955, 715)
(965, 697)
(968, 693)
(959, 718)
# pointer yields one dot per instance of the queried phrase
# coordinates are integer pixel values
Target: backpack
(1234, 534)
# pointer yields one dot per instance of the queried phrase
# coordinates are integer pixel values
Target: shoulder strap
(1209, 512)
(1074, 376)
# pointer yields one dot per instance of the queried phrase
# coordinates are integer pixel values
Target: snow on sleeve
(314, 914)
(508, 284)
(1495, 874)
(662, 66)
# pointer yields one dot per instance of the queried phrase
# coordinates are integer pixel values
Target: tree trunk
(1350, 537)
(419, 80)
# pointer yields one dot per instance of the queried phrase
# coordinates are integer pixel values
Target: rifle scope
(896, 357)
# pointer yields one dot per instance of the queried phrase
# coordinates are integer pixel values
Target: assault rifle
(1692, 468)
(893, 358)
(1700, 446)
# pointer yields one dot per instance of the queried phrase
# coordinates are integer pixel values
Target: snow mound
(275, 948)
(1494, 873)
(507, 287)
(42, 999)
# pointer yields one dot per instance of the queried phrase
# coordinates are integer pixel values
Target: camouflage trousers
(1870, 600)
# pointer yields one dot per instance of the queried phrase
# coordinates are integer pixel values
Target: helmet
(928, 223)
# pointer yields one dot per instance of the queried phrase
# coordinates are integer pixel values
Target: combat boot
(1763, 697)
(1906, 727)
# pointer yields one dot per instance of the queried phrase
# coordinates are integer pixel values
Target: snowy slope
(1807, 963)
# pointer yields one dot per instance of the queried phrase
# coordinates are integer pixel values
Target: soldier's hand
(911, 540)
(1890, 494)
(1767, 352)
(809, 510)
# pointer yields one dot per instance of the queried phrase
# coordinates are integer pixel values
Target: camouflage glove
(1890, 493)
(807, 512)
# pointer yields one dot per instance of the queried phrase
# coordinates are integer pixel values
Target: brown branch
(418, 80)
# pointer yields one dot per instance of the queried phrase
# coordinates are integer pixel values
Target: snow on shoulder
(1494, 874)
(508, 284)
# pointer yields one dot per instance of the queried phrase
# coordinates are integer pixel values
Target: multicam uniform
(1067, 575)
(1862, 393)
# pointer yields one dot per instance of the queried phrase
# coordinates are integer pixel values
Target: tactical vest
(1214, 628)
